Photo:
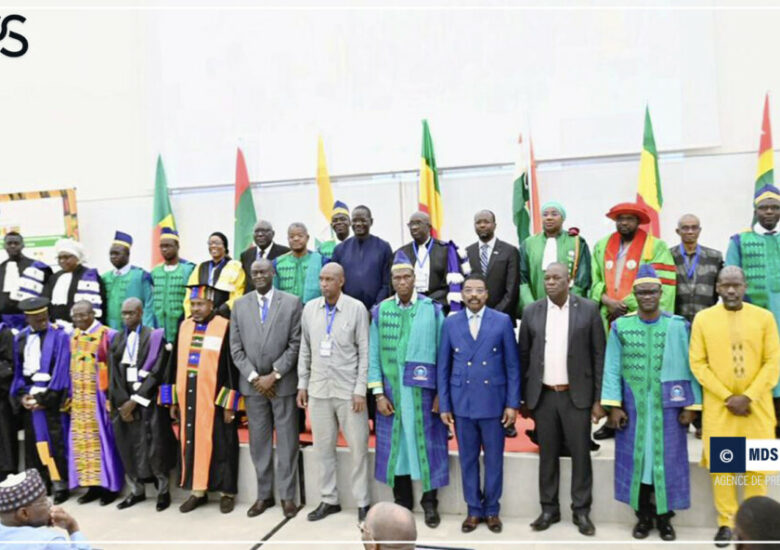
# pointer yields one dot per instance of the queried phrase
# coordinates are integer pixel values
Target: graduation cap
(168, 233)
(123, 239)
(201, 292)
(18, 490)
(35, 305)
(340, 208)
(766, 192)
(401, 261)
(646, 274)
(631, 208)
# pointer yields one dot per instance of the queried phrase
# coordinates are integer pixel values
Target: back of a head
(390, 522)
(757, 519)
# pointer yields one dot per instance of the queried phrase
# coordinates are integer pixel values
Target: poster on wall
(41, 217)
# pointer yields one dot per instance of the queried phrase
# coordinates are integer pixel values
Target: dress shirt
(131, 343)
(475, 321)
(556, 344)
(260, 253)
(11, 280)
(268, 296)
(491, 244)
(412, 300)
(170, 267)
(32, 354)
(123, 271)
(422, 267)
(761, 230)
(41, 538)
(550, 253)
(59, 294)
(344, 373)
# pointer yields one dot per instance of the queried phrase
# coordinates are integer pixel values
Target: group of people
(106, 371)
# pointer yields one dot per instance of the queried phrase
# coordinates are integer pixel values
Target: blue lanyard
(132, 353)
(330, 315)
(417, 256)
(690, 268)
(213, 268)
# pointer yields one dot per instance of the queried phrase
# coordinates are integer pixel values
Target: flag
(648, 192)
(324, 190)
(162, 215)
(245, 217)
(766, 162)
(429, 190)
(525, 197)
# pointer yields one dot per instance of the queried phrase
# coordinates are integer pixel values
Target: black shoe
(432, 518)
(107, 497)
(163, 501)
(61, 496)
(510, 431)
(642, 528)
(92, 494)
(362, 512)
(725, 535)
(605, 432)
(582, 521)
(131, 500)
(545, 520)
(260, 506)
(193, 502)
(323, 510)
(665, 529)
(594, 446)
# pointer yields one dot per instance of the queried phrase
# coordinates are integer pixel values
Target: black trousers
(557, 419)
(647, 506)
(402, 493)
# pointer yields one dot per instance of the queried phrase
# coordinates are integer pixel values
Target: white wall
(101, 92)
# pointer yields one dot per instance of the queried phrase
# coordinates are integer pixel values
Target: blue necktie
(264, 309)
(483, 259)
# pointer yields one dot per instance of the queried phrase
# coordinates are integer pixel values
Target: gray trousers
(264, 415)
(138, 487)
(327, 416)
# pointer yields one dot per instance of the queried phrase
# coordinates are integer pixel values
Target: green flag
(245, 216)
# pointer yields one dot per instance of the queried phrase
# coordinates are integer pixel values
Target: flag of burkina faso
(162, 214)
(245, 215)
(429, 190)
(648, 192)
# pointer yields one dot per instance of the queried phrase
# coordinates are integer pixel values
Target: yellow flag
(323, 183)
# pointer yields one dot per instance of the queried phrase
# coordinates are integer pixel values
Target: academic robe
(644, 249)
(647, 374)
(413, 440)
(9, 427)
(85, 284)
(204, 381)
(446, 269)
(146, 445)
(93, 460)
(170, 289)
(228, 279)
(31, 279)
(46, 430)
(299, 276)
(759, 257)
(366, 264)
(753, 372)
(136, 283)
(573, 251)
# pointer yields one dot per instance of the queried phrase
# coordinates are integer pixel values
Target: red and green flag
(162, 215)
(765, 175)
(245, 216)
(648, 192)
(429, 190)
(525, 195)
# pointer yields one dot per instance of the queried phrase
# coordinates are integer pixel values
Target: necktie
(473, 326)
(483, 258)
(263, 309)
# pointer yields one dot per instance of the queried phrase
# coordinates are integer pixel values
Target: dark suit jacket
(437, 282)
(248, 257)
(585, 363)
(503, 275)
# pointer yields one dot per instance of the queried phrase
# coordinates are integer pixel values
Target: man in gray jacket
(265, 334)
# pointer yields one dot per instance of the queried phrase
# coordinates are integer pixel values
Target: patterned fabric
(196, 344)
(136, 283)
(170, 289)
(698, 293)
(759, 257)
(299, 276)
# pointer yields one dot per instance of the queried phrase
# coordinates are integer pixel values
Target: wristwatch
(277, 375)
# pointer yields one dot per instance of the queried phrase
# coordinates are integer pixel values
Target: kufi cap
(19, 490)
(72, 247)
(35, 305)
(123, 239)
(632, 208)
(401, 261)
(766, 192)
(340, 208)
(555, 204)
(168, 233)
(646, 274)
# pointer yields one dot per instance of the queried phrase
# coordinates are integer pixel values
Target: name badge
(132, 374)
(326, 347)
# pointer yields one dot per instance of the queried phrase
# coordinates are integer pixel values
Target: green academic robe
(136, 283)
(170, 289)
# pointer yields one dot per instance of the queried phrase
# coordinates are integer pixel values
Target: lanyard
(690, 268)
(330, 315)
(417, 255)
(132, 352)
(213, 268)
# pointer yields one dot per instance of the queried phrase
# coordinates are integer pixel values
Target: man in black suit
(265, 247)
(498, 262)
(562, 356)
(429, 257)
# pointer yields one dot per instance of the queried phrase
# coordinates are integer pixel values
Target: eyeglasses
(477, 291)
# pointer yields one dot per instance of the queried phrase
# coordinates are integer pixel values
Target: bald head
(263, 234)
(262, 273)
(419, 227)
(132, 313)
(387, 521)
(331, 281)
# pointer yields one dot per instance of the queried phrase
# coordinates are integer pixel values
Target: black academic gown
(63, 311)
(9, 427)
(223, 470)
(146, 445)
(7, 305)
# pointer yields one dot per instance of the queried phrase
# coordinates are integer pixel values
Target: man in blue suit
(478, 374)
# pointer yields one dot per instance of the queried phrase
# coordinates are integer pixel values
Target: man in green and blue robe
(298, 271)
(411, 441)
(553, 245)
(126, 281)
(652, 396)
(170, 284)
(339, 224)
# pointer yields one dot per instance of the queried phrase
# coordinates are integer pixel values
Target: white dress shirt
(131, 345)
(11, 281)
(475, 321)
(32, 354)
(556, 344)
(550, 254)
(59, 294)
(422, 267)
(761, 230)
(123, 271)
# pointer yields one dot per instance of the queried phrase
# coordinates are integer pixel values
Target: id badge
(132, 374)
(326, 347)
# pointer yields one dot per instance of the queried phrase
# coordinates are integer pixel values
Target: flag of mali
(429, 191)
(648, 192)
